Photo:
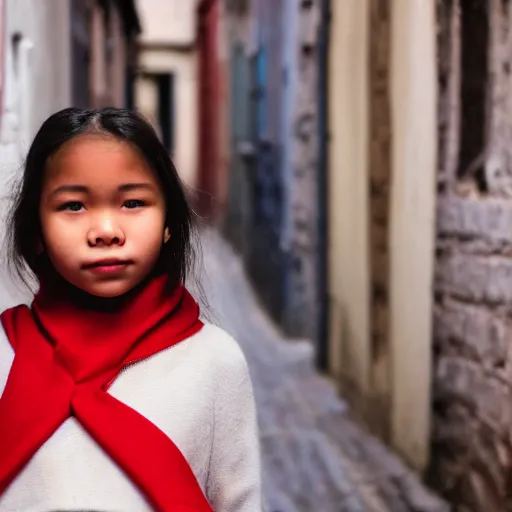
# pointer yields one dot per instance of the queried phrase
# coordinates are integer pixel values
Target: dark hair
(24, 227)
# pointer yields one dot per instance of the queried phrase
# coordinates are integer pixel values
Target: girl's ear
(167, 235)
(39, 247)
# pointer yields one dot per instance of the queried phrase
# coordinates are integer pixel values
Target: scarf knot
(67, 356)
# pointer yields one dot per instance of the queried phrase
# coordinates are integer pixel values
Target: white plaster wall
(37, 83)
(412, 232)
(146, 93)
(168, 22)
(349, 269)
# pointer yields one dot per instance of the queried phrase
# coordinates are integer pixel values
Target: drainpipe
(323, 168)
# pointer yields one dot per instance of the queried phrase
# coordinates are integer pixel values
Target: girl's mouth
(107, 266)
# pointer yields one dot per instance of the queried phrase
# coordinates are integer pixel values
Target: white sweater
(198, 392)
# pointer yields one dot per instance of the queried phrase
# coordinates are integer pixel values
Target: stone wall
(302, 308)
(471, 444)
(272, 211)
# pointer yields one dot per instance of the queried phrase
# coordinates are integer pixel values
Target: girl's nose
(105, 231)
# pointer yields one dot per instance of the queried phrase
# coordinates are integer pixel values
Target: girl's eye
(71, 206)
(133, 203)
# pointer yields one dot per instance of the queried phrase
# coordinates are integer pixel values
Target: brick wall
(472, 381)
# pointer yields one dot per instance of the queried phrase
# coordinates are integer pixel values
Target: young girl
(114, 395)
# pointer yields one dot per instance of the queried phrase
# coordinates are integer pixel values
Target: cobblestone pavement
(314, 457)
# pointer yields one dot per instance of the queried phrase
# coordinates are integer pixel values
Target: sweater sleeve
(234, 479)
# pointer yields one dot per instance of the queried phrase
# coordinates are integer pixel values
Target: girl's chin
(105, 288)
(108, 290)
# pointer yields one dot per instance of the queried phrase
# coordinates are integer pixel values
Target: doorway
(166, 109)
(155, 99)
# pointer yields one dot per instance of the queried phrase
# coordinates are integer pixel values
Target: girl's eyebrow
(126, 187)
(135, 186)
(69, 188)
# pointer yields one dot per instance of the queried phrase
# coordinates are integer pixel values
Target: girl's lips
(107, 266)
(108, 269)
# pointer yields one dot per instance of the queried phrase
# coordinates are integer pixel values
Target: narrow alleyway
(314, 457)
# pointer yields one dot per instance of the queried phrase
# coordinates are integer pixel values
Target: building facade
(395, 114)
(210, 174)
(272, 206)
(472, 385)
(34, 84)
(113, 28)
(382, 166)
(419, 235)
(104, 52)
(36, 81)
(167, 79)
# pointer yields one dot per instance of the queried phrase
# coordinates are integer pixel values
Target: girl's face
(102, 215)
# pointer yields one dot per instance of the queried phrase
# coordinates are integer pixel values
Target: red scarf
(66, 357)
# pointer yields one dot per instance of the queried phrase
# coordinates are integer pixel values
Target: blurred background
(352, 162)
